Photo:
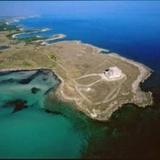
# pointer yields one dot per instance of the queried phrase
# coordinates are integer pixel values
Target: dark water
(131, 131)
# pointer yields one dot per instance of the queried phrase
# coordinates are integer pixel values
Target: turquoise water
(32, 132)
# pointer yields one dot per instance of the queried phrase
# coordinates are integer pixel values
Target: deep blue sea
(136, 37)
(130, 132)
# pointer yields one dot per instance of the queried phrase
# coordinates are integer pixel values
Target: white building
(113, 73)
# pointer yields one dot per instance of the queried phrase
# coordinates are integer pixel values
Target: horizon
(79, 9)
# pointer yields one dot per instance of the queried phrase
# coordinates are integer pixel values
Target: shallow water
(32, 132)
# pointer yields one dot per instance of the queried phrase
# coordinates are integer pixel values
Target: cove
(31, 131)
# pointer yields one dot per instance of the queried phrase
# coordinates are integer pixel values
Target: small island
(95, 80)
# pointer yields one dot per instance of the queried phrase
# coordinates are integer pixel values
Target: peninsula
(96, 83)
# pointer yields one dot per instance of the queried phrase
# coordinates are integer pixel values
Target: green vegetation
(7, 27)
(11, 34)
(53, 57)
(31, 39)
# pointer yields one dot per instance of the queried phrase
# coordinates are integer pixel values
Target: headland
(96, 83)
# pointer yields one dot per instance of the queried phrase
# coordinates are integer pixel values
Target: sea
(131, 132)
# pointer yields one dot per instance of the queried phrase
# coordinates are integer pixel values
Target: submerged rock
(17, 104)
(47, 111)
(35, 90)
(53, 112)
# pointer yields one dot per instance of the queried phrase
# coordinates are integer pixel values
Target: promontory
(95, 80)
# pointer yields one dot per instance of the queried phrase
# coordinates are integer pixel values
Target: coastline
(144, 73)
(143, 69)
(61, 96)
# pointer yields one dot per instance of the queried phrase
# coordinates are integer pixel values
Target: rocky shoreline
(144, 73)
